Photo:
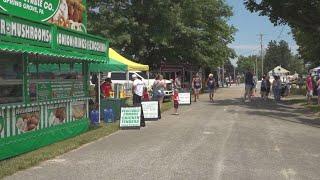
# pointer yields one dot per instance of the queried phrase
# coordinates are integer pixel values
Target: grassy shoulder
(27, 160)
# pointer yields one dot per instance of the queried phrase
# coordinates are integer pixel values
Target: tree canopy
(301, 15)
(170, 31)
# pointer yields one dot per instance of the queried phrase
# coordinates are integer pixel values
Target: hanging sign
(184, 98)
(150, 109)
(65, 13)
(130, 117)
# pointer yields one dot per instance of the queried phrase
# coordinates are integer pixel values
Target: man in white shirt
(137, 89)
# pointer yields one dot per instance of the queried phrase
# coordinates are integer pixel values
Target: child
(176, 101)
(145, 95)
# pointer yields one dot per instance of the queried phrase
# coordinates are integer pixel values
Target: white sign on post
(150, 109)
(130, 117)
(184, 98)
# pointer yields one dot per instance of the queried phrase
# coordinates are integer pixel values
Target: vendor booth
(44, 80)
(120, 92)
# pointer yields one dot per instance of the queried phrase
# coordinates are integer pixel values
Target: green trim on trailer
(15, 145)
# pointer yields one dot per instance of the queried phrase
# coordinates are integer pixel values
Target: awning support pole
(99, 96)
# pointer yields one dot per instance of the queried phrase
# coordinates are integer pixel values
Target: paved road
(228, 139)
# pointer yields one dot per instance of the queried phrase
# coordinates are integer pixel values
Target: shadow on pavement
(280, 111)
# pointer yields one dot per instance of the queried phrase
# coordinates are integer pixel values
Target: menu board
(184, 98)
(44, 91)
(150, 109)
(58, 90)
(130, 117)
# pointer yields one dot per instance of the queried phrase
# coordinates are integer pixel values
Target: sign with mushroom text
(66, 13)
(130, 117)
(150, 109)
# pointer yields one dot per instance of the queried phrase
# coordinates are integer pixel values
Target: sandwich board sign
(185, 98)
(130, 117)
(150, 110)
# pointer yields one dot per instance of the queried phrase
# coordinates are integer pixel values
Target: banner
(78, 110)
(184, 98)
(57, 114)
(150, 109)
(130, 117)
(65, 13)
(26, 119)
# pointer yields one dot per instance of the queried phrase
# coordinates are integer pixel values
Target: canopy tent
(132, 66)
(111, 66)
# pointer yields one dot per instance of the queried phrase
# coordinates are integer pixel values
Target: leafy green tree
(303, 18)
(170, 31)
(277, 54)
(246, 63)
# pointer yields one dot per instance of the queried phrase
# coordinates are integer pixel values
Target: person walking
(248, 85)
(318, 90)
(268, 86)
(158, 88)
(196, 86)
(137, 91)
(176, 99)
(276, 88)
(309, 85)
(263, 89)
(211, 86)
(177, 82)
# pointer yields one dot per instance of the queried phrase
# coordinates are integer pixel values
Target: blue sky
(249, 25)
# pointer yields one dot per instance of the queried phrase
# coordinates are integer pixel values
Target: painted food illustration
(57, 116)
(78, 111)
(27, 122)
(69, 15)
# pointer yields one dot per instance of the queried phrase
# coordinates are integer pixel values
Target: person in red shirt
(175, 98)
(106, 87)
(145, 96)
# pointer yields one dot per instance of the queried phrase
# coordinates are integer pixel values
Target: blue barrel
(111, 116)
(94, 116)
(106, 115)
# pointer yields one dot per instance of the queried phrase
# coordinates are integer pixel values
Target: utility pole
(261, 51)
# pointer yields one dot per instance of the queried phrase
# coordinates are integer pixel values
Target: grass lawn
(27, 160)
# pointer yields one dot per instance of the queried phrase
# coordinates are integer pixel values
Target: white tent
(279, 71)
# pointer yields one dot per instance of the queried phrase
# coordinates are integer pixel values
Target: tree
(280, 54)
(303, 18)
(170, 31)
(277, 54)
(246, 63)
